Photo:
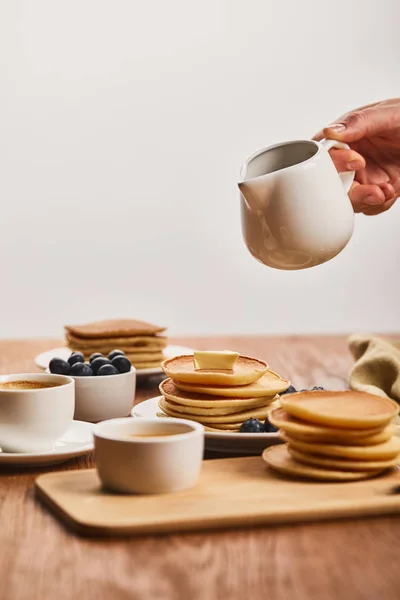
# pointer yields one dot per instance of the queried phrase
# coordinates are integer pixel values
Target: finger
(364, 197)
(396, 184)
(347, 160)
(370, 212)
(357, 124)
(318, 136)
(388, 190)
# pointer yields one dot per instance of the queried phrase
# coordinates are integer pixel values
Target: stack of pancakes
(219, 399)
(336, 436)
(141, 342)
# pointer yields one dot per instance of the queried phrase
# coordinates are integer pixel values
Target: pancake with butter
(347, 409)
(269, 384)
(279, 459)
(245, 370)
(186, 411)
(224, 372)
(216, 428)
(342, 464)
(171, 392)
(385, 451)
(237, 417)
(310, 432)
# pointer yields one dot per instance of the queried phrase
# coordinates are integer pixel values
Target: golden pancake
(279, 459)
(310, 432)
(87, 350)
(146, 365)
(369, 440)
(208, 410)
(131, 340)
(342, 464)
(113, 328)
(216, 430)
(106, 345)
(347, 409)
(142, 351)
(169, 390)
(145, 356)
(126, 349)
(239, 417)
(385, 451)
(268, 385)
(246, 370)
(221, 427)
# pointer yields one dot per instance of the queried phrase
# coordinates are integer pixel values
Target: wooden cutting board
(231, 492)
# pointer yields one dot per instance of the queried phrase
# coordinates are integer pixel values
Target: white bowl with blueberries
(104, 386)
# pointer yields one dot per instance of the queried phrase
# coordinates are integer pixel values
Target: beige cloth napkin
(377, 366)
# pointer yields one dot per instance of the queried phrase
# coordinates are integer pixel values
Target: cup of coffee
(295, 209)
(36, 409)
(148, 456)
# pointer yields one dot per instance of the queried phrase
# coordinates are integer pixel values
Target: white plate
(43, 359)
(76, 441)
(228, 443)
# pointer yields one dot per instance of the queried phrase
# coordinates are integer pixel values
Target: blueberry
(269, 428)
(95, 355)
(98, 362)
(252, 426)
(107, 370)
(317, 387)
(290, 390)
(115, 353)
(121, 363)
(81, 370)
(59, 366)
(76, 357)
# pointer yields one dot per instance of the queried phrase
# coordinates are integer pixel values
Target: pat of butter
(210, 359)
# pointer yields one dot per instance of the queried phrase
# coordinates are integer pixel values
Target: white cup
(167, 459)
(32, 420)
(295, 208)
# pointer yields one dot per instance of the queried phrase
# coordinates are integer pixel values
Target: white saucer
(227, 443)
(76, 441)
(43, 359)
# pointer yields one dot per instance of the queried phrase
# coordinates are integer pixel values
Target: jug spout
(254, 192)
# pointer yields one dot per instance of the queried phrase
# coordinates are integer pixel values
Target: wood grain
(40, 559)
(260, 497)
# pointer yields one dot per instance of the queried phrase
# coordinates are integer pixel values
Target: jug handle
(348, 176)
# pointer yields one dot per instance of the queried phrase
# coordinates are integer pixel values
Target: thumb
(364, 122)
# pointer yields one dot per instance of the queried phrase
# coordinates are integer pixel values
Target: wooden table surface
(40, 559)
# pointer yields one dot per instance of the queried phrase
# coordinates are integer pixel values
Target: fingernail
(354, 165)
(371, 200)
(337, 127)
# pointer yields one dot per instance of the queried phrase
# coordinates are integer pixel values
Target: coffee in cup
(22, 384)
(36, 410)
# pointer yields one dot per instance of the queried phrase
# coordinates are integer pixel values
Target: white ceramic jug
(295, 208)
